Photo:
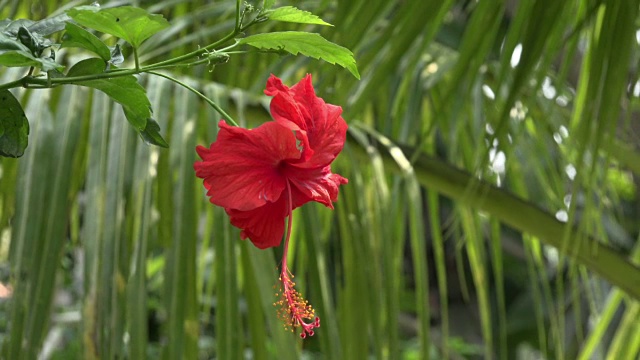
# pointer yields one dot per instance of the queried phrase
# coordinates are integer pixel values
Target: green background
(465, 163)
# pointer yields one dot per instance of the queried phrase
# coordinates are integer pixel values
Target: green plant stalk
(201, 95)
(29, 80)
(515, 212)
(237, 30)
(238, 26)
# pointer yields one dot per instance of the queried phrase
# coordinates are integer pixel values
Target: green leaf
(129, 23)
(50, 25)
(91, 66)
(116, 55)
(308, 44)
(8, 43)
(11, 27)
(34, 42)
(20, 58)
(151, 134)
(124, 90)
(14, 127)
(75, 36)
(43, 27)
(295, 15)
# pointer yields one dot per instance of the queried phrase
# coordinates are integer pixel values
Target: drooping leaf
(308, 44)
(50, 25)
(151, 134)
(124, 90)
(75, 36)
(9, 43)
(10, 28)
(129, 23)
(14, 127)
(295, 15)
(116, 55)
(40, 28)
(20, 58)
(34, 42)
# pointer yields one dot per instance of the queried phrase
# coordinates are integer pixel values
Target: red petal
(318, 184)
(299, 107)
(287, 112)
(241, 170)
(264, 225)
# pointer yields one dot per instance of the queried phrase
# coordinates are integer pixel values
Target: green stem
(14, 84)
(136, 59)
(182, 65)
(27, 81)
(201, 95)
(196, 53)
(238, 26)
(53, 82)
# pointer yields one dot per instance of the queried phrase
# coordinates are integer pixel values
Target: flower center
(294, 309)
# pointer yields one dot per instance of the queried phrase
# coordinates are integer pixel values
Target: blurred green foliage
(491, 210)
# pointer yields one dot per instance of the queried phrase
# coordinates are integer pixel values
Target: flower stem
(285, 250)
(294, 307)
(201, 95)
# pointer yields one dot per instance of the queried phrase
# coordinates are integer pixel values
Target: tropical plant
(492, 158)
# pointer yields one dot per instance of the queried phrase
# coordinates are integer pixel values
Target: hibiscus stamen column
(293, 307)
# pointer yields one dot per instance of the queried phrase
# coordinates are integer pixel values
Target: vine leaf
(8, 43)
(22, 47)
(124, 90)
(294, 15)
(34, 42)
(75, 36)
(308, 44)
(132, 24)
(43, 27)
(151, 134)
(21, 58)
(116, 55)
(14, 127)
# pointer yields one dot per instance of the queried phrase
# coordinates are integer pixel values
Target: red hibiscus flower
(259, 176)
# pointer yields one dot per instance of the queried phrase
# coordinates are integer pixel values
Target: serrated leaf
(308, 44)
(124, 90)
(294, 15)
(151, 134)
(129, 23)
(14, 127)
(75, 36)
(20, 58)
